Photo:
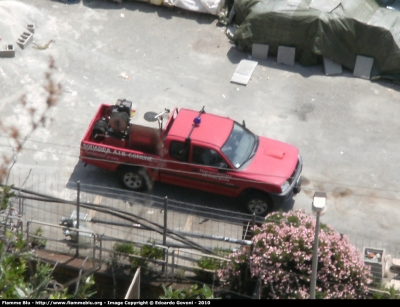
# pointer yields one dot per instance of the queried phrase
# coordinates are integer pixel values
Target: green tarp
(338, 30)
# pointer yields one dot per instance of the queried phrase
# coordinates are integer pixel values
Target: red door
(174, 164)
(210, 172)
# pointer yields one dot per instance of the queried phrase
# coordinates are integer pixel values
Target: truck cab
(219, 155)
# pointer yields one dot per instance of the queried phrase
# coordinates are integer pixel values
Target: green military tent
(336, 29)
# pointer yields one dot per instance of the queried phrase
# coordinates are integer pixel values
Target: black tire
(133, 178)
(297, 188)
(99, 128)
(258, 203)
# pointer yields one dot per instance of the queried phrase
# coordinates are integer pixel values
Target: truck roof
(213, 129)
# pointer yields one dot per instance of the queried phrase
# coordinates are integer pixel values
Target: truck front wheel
(133, 179)
(258, 203)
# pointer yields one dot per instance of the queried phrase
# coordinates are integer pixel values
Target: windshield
(240, 145)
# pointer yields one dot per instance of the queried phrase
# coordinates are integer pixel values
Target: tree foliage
(213, 264)
(15, 254)
(279, 263)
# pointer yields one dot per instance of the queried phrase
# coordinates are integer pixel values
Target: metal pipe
(186, 234)
(173, 265)
(208, 256)
(216, 238)
(27, 230)
(165, 230)
(166, 264)
(96, 220)
(165, 220)
(78, 192)
(20, 205)
(315, 259)
(60, 226)
(101, 247)
(94, 250)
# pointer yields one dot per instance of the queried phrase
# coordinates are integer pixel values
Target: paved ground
(346, 128)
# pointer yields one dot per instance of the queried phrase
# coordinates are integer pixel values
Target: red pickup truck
(192, 149)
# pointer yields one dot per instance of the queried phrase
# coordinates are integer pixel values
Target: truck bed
(139, 143)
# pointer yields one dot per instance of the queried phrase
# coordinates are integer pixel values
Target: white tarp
(203, 6)
(324, 5)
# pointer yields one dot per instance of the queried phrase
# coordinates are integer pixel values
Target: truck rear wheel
(258, 203)
(133, 179)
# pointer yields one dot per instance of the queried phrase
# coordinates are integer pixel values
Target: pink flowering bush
(281, 259)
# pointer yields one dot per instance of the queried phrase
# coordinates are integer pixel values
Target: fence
(107, 216)
(110, 216)
(141, 217)
(56, 236)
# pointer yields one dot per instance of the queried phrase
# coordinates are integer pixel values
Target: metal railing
(111, 252)
(137, 218)
(89, 237)
(191, 267)
(103, 254)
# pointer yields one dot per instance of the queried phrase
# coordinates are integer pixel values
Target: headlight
(285, 186)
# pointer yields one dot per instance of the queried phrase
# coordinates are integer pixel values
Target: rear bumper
(294, 188)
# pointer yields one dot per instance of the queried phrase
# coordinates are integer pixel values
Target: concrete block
(286, 55)
(31, 28)
(25, 39)
(8, 51)
(243, 72)
(259, 51)
(363, 67)
(332, 67)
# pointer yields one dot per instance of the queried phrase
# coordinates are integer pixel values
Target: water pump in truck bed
(119, 118)
(113, 128)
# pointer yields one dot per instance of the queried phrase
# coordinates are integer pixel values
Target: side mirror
(244, 124)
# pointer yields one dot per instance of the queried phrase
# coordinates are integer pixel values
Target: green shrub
(151, 252)
(280, 262)
(386, 293)
(138, 262)
(213, 264)
(5, 195)
(122, 248)
(38, 242)
(192, 293)
(148, 252)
